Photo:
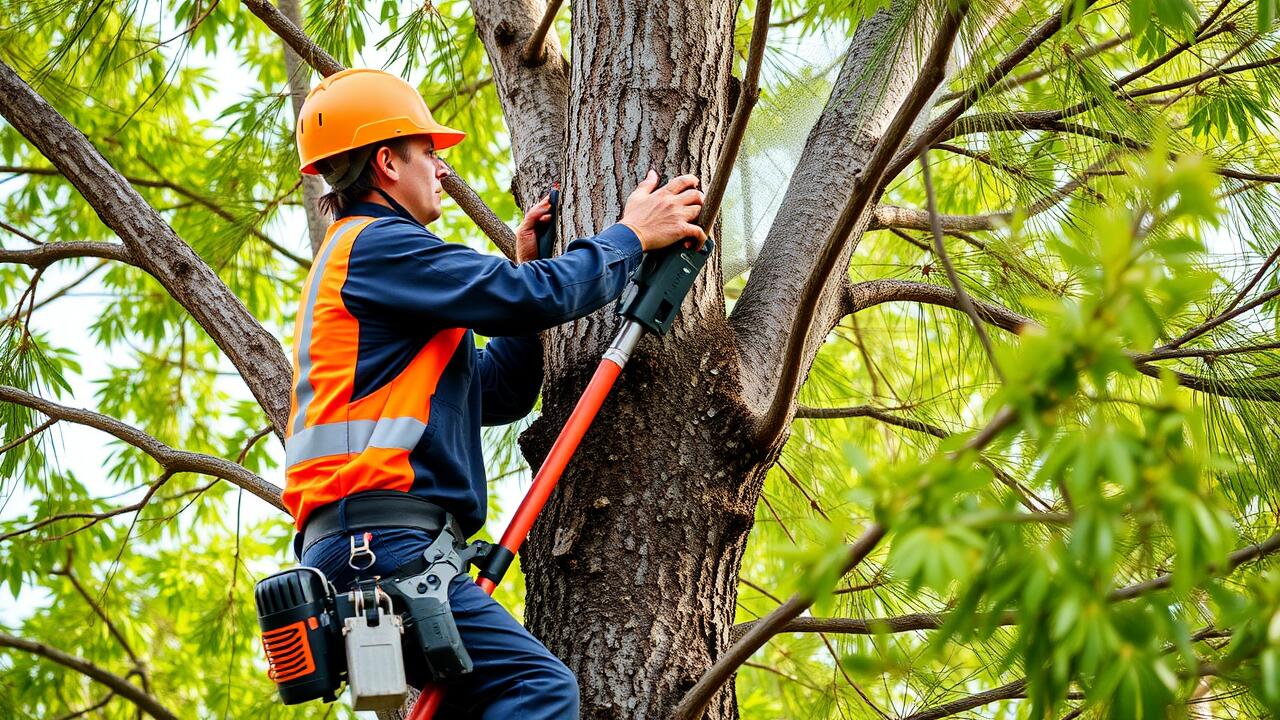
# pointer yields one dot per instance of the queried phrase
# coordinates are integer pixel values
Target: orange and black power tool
(303, 643)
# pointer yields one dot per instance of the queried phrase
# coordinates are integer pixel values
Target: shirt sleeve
(399, 269)
(510, 373)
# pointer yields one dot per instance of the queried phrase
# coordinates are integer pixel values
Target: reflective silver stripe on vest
(354, 436)
(304, 390)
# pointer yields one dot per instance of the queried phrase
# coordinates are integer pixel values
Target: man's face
(414, 183)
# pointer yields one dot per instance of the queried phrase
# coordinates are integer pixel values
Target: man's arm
(510, 371)
(400, 270)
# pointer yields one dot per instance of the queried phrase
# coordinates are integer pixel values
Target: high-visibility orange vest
(334, 446)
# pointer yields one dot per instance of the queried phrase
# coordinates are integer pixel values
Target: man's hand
(527, 232)
(661, 216)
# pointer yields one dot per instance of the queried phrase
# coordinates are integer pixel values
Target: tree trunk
(632, 570)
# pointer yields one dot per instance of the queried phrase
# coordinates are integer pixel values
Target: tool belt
(397, 631)
(373, 510)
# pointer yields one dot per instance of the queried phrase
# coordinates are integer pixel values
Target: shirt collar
(371, 209)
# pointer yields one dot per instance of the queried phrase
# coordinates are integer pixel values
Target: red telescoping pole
(615, 358)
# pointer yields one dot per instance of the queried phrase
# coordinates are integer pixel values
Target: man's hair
(337, 200)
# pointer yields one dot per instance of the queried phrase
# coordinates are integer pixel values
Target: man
(383, 445)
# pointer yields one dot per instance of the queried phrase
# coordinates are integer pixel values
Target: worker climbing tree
(901, 359)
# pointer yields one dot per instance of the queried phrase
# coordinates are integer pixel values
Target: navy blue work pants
(515, 676)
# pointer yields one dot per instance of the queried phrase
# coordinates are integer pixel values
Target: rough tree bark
(633, 567)
(632, 570)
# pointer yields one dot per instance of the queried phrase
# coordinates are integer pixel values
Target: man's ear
(385, 165)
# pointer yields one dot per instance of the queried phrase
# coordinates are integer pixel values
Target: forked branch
(866, 190)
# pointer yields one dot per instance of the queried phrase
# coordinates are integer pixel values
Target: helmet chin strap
(400, 209)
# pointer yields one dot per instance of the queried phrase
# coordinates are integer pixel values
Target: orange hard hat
(358, 107)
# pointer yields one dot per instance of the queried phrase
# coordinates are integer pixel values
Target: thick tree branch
(173, 461)
(117, 684)
(902, 218)
(153, 245)
(869, 293)
(534, 96)
(867, 188)
(49, 253)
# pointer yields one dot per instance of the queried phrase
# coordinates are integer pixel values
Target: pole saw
(649, 304)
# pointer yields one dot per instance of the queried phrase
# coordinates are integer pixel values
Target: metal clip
(358, 551)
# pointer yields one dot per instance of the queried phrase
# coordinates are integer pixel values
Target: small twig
(92, 708)
(857, 411)
(769, 506)
(93, 517)
(940, 249)
(1204, 352)
(253, 440)
(34, 432)
(190, 28)
(747, 99)
(21, 234)
(62, 291)
(111, 627)
(799, 486)
(1219, 319)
